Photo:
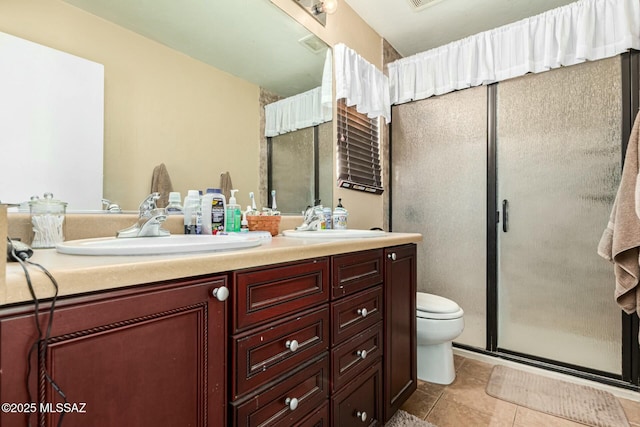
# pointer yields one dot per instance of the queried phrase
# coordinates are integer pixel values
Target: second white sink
(334, 234)
(173, 244)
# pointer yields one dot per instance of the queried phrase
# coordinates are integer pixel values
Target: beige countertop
(77, 274)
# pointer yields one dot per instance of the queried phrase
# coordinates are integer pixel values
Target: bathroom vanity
(293, 332)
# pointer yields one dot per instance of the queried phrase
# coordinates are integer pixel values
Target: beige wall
(160, 105)
(345, 26)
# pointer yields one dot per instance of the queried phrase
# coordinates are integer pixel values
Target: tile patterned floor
(465, 403)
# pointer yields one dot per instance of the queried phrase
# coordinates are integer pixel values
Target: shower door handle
(505, 215)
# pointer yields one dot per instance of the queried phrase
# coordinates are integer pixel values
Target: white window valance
(305, 109)
(581, 31)
(361, 83)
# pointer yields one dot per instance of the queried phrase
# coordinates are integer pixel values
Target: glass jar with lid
(47, 218)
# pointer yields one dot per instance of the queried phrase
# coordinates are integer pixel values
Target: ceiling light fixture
(319, 8)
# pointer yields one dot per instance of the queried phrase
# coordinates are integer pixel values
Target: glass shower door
(558, 162)
(439, 189)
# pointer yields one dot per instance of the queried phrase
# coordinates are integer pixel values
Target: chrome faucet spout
(149, 222)
(313, 217)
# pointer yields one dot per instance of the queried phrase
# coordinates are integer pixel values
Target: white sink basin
(334, 234)
(173, 244)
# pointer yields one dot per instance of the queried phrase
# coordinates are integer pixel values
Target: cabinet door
(400, 371)
(149, 356)
(358, 404)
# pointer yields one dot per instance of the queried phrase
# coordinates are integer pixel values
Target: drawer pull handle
(292, 345)
(292, 403)
(362, 312)
(362, 354)
(221, 293)
(392, 256)
(362, 416)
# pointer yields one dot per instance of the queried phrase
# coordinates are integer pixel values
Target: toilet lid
(435, 304)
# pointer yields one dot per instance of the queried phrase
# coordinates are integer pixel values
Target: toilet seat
(429, 306)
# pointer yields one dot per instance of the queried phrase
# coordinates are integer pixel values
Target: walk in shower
(511, 186)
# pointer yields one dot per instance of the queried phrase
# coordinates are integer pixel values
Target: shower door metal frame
(630, 108)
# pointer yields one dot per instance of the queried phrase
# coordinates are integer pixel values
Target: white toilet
(439, 322)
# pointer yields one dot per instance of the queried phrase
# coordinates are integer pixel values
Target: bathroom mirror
(263, 45)
(251, 39)
(300, 167)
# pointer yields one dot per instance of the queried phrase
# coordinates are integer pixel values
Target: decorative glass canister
(47, 218)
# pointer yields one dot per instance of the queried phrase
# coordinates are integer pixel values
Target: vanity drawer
(360, 403)
(347, 359)
(309, 386)
(356, 271)
(265, 294)
(356, 313)
(318, 418)
(262, 355)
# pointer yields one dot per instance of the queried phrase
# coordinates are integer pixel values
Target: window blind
(358, 150)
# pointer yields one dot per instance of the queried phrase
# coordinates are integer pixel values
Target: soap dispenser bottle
(340, 217)
(234, 215)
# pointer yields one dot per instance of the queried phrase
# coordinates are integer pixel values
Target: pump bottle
(234, 214)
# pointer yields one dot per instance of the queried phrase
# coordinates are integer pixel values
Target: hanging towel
(161, 183)
(225, 185)
(620, 242)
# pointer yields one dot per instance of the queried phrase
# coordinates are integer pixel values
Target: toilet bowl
(439, 321)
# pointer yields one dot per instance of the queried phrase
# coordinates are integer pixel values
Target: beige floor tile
(420, 403)
(431, 388)
(529, 418)
(458, 361)
(631, 409)
(476, 369)
(470, 391)
(448, 413)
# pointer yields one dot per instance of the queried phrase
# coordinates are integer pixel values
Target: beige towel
(225, 185)
(620, 241)
(161, 183)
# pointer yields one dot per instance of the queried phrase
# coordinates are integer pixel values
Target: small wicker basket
(270, 223)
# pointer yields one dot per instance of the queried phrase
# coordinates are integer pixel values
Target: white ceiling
(442, 21)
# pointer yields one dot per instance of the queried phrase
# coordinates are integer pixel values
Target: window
(358, 151)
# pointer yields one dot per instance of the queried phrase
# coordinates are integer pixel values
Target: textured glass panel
(439, 190)
(326, 177)
(292, 170)
(558, 166)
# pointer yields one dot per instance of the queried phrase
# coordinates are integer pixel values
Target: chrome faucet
(313, 218)
(149, 222)
(110, 207)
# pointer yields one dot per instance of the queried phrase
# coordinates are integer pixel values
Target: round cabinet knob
(362, 354)
(221, 293)
(292, 403)
(362, 312)
(362, 416)
(292, 345)
(392, 256)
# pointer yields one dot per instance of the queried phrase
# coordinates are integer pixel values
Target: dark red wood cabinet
(145, 356)
(327, 341)
(400, 371)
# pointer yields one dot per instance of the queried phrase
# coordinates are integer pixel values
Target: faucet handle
(149, 203)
